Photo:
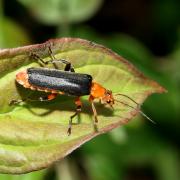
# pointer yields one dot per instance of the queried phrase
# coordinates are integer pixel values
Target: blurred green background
(144, 32)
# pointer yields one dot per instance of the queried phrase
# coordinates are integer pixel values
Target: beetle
(67, 82)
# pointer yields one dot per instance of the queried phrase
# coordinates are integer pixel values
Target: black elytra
(70, 83)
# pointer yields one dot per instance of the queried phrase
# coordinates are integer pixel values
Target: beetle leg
(48, 98)
(78, 110)
(14, 102)
(93, 109)
(44, 98)
(94, 112)
(36, 57)
(68, 65)
(53, 60)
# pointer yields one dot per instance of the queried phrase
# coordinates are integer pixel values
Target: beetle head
(108, 98)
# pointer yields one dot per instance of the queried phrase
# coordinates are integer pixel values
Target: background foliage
(146, 33)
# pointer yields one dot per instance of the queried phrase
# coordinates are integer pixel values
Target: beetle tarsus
(69, 130)
(78, 110)
(70, 126)
(15, 102)
(95, 119)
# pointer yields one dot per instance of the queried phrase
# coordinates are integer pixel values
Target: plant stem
(64, 29)
(64, 26)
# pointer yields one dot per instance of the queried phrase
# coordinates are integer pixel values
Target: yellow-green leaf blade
(34, 135)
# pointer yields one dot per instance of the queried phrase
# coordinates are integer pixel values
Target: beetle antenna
(128, 98)
(141, 112)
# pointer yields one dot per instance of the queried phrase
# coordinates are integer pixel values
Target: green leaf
(34, 135)
(62, 11)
